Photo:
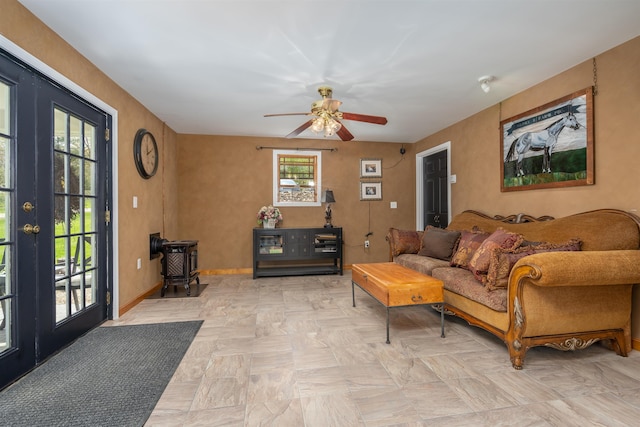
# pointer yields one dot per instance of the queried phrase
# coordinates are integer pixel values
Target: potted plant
(269, 216)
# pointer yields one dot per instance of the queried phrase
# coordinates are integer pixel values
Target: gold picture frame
(550, 146)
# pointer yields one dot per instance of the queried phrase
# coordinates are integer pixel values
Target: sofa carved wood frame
(523, 276)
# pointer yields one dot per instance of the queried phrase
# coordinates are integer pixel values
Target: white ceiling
(216, 67)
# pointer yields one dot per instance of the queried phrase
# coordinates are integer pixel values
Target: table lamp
(327, 197)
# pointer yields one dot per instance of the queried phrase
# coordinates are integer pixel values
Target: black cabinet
(296, 251)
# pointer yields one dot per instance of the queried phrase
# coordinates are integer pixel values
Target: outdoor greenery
(566, 166)
(303, 170)
(299, 168)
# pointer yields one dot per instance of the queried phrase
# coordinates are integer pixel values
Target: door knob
(27, 207)
(31, 229)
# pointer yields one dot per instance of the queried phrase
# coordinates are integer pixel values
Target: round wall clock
(145, 153)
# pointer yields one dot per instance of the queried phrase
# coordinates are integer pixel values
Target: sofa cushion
(419, 263)
(499, 239)
(503, 260)
(404, 241)
(469, 242)
(464, 283)
(438, 243)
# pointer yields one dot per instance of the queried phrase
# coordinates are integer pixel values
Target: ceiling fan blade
(344, 134)
(364, 118)
(287, 114)
(300, 129)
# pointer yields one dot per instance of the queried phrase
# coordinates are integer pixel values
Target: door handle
(30, 229)
(27, 207)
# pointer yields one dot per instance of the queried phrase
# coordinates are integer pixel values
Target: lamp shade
(327, 197)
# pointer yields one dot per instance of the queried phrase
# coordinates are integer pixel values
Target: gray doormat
(112, 376)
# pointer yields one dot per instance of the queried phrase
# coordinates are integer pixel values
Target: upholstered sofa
(565, 283)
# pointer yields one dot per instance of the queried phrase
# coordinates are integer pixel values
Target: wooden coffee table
(396, 286)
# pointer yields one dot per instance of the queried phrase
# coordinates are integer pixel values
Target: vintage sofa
(565, 283)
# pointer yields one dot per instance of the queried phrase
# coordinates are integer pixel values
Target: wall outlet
(139, 263)
(366, 243)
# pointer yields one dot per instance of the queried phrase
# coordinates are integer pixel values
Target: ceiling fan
(327, 118)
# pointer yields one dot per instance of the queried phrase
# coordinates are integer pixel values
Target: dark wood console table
(297, 251)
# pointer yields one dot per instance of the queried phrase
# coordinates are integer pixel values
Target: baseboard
(239, 271)
(220, 272)
(139, 299)
(635, 344)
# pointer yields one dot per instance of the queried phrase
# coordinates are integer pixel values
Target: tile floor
(294, 352)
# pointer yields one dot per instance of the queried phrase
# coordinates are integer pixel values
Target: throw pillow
(503, 260)
(499, 239)
(469, 242)
(438, 243)
(405, 241)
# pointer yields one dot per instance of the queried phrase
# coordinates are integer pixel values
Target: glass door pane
(74, 194)
(7, 294)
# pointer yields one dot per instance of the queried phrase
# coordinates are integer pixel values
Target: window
(296, 178)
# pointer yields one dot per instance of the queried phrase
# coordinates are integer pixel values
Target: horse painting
(545, 139)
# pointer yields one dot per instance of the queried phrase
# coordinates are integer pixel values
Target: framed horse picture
(549, 146)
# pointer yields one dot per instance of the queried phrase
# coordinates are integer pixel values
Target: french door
(53, 218)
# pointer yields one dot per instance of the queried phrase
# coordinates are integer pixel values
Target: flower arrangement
(269, 212)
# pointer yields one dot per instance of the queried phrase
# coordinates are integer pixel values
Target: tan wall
(475, 146)
(157, 209)
(223, 181)
(475, 143)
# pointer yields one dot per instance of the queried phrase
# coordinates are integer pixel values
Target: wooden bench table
(396, 286)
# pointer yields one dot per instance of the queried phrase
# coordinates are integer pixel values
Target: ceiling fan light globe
(318, 125)
(331, 126)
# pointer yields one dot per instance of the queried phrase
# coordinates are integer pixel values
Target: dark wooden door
(435, 188)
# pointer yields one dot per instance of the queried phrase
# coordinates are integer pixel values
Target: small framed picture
(370, 168)
(370, 191)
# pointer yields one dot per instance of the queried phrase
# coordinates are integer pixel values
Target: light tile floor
(294, 352)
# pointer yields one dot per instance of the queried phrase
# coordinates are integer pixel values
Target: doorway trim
(54, 75)
(419, 181)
